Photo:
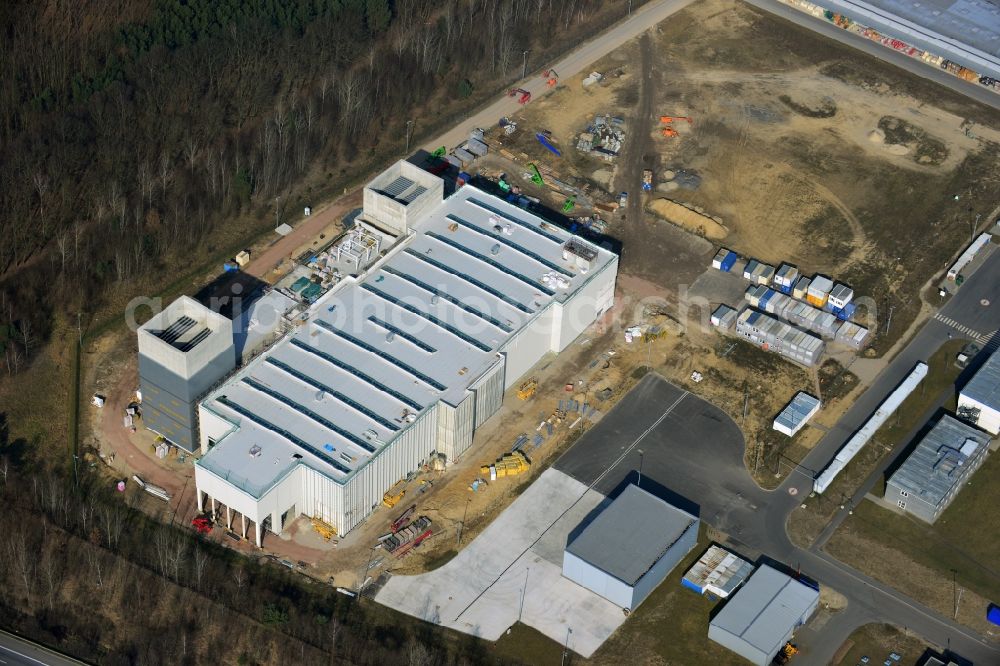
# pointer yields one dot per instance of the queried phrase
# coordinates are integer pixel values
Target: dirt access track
(810, 152)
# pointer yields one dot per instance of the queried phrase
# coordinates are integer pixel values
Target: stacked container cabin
(724, 260)
(819, 290)
(723, 317)
(840, 301)
(852, 335)
(785, 277)
(801, 288)
(762, 274)
(749, 269)
(773, 335)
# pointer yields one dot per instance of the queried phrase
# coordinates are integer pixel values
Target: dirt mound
(684, 217)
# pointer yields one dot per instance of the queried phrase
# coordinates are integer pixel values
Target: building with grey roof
(761, 617)
(796, 413)
(405, 359)
(928, 480)
(964, 31)
(979, 400)
(630, 547)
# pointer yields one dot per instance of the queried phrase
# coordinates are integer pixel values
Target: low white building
(979, 401)
(406, 359)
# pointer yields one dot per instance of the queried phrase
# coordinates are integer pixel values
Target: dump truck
(647, 180)
(391, 497)
(527, 388)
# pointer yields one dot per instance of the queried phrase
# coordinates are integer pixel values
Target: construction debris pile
(603, 138)
(511, 464)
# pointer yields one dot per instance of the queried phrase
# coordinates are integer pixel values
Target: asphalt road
(18, 652)
(921, 69)
(692, 454)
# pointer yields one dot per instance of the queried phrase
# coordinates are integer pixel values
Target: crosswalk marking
(970, 332)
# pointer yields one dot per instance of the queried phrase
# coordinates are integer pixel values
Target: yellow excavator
(527, 389)
(786, 653)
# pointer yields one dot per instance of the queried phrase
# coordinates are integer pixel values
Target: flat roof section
(763, 610)
(984, 387)
(797, 412)
(965, 31)
(933, 469)
(628, 537)
(419, 326)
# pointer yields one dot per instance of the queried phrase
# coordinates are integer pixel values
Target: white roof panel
(419, 326)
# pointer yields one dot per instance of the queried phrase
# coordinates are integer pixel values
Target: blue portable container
(786, 289)
(728, 262)
(993, 614)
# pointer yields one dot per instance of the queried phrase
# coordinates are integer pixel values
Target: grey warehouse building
(928, 480)
(761, 617)
(630, 547)
(979, 400)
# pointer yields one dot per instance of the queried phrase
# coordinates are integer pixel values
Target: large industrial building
(761, 617)
(630, 547)
(928, 480)
(406, 359)
(965, 32)
(979, 401)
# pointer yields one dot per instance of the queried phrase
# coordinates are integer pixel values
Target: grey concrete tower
(183, 351)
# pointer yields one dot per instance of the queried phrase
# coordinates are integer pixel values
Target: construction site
(722, 130)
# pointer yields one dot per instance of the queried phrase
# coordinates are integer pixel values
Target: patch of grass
(827, 109)
(877, 641)
(670, 627)
(805, 525)
(835, 380)
(928, 150)
(963, 539)
(439, 560)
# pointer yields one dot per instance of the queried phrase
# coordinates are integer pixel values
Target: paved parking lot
(513, 570)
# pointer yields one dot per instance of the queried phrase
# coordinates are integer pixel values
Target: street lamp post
(524, 64)
(461, 527)
(639, 483)
(409, 124)
(565, 653)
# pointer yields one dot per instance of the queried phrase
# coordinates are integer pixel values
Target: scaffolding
(358, 248)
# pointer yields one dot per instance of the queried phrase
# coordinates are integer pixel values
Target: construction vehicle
(391, 499)
(623, 199)
(786, 653)
(203, 524)
(671, 119)
(536, 175)
(504, 185)
(510, 464)
(647, 180)
(403, 519)
(324, 529)
(551, 78)
(670, 132)
(569, 204)
(523, 96)
(527, 388)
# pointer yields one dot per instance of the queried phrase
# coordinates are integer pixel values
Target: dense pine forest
(139, 139)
